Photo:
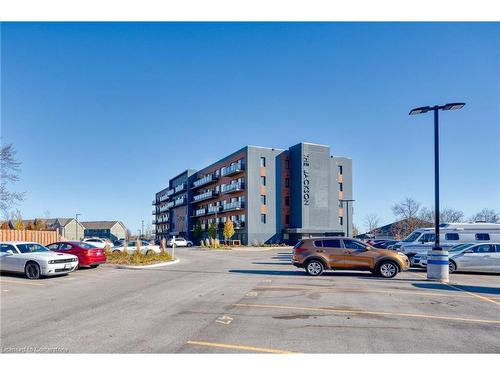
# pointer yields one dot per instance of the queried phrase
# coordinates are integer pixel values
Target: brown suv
(341, 253)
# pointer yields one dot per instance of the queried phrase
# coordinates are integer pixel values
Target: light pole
(142, 230)
(346, 213)
(76, 218)
(438, 262)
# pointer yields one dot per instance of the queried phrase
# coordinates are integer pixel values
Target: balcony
(162, 219)
(209, 178)
(200, 212)
(179, 201)
(206, 195)
(214, 209)
(165, 207)
(170, 205)
(180, 187)
(154, 212)
(232, 169)
(233, 188)
(170, 192)
(237, 205)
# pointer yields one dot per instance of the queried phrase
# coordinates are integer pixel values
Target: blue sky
(103, 114)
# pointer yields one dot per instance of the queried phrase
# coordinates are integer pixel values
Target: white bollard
(438, 266)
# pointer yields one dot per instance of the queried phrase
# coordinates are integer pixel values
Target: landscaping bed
(138, 259)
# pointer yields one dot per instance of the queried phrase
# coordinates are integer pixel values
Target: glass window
(263, 199)
(451, 237)
(287, 164)
(350, 244)
(287, 219)
(262, 161)
(31, 248)
(482, 236)
(53, 246)
(331, 243)
(263, 218)
(287, 182)
(428, 237)
(6, 247)
(483, 249)
(341, 186)
(412, 237)
(318, 243)
(341, 204)
(65, 246)
(287, 201)
(263, 180)
(340, 169)
(341, 220)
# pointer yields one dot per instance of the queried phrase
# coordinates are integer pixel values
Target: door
(477, 258)
(495, 260)
(333, 252)
(356, 256)
(7, 260)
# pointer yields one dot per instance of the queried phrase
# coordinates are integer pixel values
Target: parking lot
(248, 302)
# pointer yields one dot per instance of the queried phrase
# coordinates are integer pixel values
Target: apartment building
(271, 195)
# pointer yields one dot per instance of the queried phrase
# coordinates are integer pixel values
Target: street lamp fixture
(438, 262)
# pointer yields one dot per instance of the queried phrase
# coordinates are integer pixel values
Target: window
(451, 237)
(483, 249)
(262, 161)
(287, 201)
(5, 247)
(428, 237)
(318, 243)
(65, 246)
(262, 199)
(341, 220)
(287, 182)
(263, 180)
(331, 243)
(263, 218)
(482, 237)
(341, 204)
(340, 169)
(53, 247)
(287, 219)
(287, 164)
(31, 248)
(350, 244)
(341, 186)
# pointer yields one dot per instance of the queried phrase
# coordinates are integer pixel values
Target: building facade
(112, 230)
(271, 195)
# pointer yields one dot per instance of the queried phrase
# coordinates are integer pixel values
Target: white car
(146, 248)
(34, 260)
(180, 242)
(98, 242)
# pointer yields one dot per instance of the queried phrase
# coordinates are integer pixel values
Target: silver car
(484, 257)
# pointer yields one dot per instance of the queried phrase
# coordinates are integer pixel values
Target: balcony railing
(162, 219)
(231, 188)
(170, 205)
(180, 188)
(205, 180)
(170, 192)
(179, 201)
(214, 209)
(206, 195)
(200, 212)
(232, 169)
(237, 205)
(164, 208)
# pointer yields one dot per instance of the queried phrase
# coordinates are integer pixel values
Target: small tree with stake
(228, 230)
(197, 231)
(212, 230)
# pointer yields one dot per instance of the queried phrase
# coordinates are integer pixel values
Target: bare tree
(9, 173)
(406, 209)
(371, 222)
(486, 215)
(355, 230)
(446, 215)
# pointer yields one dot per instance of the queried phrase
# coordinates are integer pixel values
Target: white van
(421, 240)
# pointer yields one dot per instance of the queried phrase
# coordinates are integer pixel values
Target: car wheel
(189, 244)
(452, 266)
(149, 252)
(314, 268)
(387, 269)
(94, 266)
(32, 270)
(116, 251)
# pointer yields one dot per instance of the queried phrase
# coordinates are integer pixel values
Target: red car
(88, 255)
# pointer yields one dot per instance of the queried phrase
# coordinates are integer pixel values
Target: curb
(124, 266)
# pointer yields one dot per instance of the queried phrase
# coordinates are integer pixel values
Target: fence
(43, 237)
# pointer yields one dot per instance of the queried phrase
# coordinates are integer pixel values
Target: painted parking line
(239, 347)
(360, 290)
(365, 312)
(20, 282)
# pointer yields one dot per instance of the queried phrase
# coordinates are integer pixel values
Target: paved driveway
(248, 301)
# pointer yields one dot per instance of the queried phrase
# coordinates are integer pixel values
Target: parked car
(180, 242)
(420, 260)
(34, 260)
(98, 242)
(384, 244)
(483, 257)
(146, 248)
(88, 255)
(342, 253)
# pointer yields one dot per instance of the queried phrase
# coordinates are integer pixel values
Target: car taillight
(299, 250)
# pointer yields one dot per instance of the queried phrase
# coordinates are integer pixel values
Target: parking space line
(240, 347)
(2, 281)
(365, 312)
(367, 290)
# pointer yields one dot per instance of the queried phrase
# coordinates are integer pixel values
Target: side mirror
(10, 252)
(367, 248)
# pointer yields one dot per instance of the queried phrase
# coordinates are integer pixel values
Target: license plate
(67, 266)
(98, 253)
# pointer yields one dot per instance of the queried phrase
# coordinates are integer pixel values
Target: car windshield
(461, 247)
(31, 248)
(84, 245)
(412, 237)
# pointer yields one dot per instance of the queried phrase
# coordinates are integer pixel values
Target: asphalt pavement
(247, 302)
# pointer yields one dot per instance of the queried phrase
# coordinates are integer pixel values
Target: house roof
(101, 224)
